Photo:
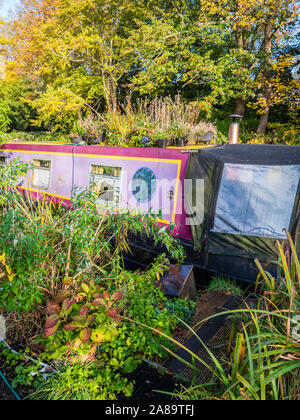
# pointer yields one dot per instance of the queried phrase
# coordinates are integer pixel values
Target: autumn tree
(74, 50)
(279, 17)
(92, 53)
(225, 49)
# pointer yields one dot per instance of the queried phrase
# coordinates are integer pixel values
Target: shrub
(15, 112)
(32, 136)
(57, 109)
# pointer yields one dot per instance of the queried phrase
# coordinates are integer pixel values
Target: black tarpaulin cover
(251, 194)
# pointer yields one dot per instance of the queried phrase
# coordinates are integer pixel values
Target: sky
(6, 6)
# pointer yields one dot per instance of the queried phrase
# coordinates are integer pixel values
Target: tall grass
(264, 358)
(167, 112)
(225, 285)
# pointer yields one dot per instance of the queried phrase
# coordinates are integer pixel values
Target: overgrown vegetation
(32, 136)
(262, 360)
(226, 285)
(67, 297)
(82, 322)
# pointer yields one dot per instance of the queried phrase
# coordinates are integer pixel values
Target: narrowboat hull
(229, 204)
(71, 167)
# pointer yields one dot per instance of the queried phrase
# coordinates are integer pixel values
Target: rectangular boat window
(3, 160)
(105, 181)
(256, 200)
(41, 174)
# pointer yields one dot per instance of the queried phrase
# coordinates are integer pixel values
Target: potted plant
(179, 136)
(94, 130)
(95, 138)
(77, 134)
(161, 138)
(97, 134)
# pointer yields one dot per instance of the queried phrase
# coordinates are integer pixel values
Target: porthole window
(144, 185)
(41, 174)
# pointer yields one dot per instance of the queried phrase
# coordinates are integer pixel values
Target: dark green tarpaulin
(256, 181)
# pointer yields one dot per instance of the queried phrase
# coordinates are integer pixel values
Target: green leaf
(130, 365)
(85, 288)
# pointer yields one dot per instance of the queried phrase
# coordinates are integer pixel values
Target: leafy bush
(89, 382)
(285, 133)
(57, 109)
(15, 112)
(27, 371)
(5, 121)
(277, 133)
(183, 309)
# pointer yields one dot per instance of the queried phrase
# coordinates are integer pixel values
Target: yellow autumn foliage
(8, 271)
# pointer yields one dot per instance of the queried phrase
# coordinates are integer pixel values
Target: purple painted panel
(166, 167)
(166, 181)
(61, 174)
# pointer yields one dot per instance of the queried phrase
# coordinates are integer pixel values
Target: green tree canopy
(94, 53)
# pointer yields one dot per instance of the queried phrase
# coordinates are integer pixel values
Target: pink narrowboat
(229, 203)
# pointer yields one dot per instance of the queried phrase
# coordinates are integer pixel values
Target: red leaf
(52, 325)
(84, 311)
(51, 331)
(117, 296)
(52, 321)
(53, 308)
(67, 304)
(85, 335)
(113, 313)
(79, 298)
(99, 302)
(70, 327)
(105, 295)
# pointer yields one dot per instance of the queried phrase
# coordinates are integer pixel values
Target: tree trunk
(264, 118)
(262, 126)
(263, 122)
(242, 41)
(240, 106)
(110, 92)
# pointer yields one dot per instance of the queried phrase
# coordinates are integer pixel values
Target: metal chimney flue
(234, 128)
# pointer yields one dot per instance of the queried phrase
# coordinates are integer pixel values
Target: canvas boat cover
(251, 194)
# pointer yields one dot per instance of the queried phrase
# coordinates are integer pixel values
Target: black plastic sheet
(251, 194)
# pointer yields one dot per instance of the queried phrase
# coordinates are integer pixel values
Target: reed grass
(263, 360)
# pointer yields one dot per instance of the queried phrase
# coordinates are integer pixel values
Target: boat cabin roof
(45, 143)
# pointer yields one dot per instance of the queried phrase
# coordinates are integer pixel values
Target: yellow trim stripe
(176, 191)
(91, 156)
(44, 193)
(196, 147)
